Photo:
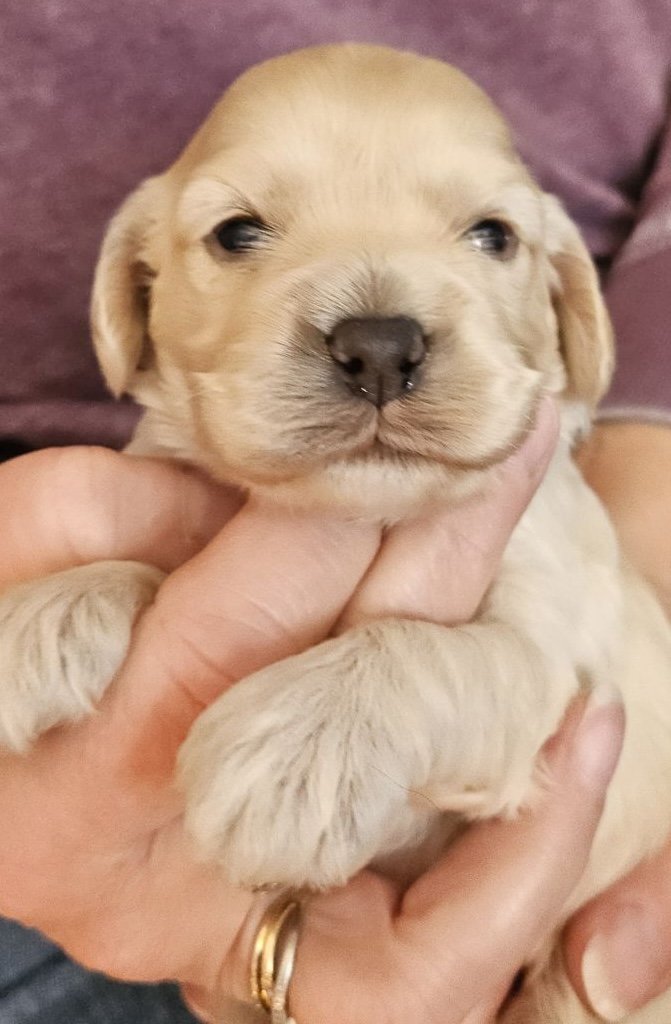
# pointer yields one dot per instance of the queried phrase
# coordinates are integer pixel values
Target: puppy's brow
(204, 202)
(460, 200)
(522, 203)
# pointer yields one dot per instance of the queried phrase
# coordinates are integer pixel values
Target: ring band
(273, 958)
(279, 1012)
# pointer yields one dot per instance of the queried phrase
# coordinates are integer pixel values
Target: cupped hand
(447, 950)
(96, 856)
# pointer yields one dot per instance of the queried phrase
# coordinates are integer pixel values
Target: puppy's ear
(120, 299)
(585, 333)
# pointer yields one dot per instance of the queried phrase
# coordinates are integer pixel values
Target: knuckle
(84, 502)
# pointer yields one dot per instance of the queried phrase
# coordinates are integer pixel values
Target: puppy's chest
(560, 582)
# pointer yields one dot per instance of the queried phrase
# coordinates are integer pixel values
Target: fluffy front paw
(62, 639)
(289, 778)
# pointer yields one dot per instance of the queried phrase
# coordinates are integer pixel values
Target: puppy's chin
(378, 488)
(378, 478)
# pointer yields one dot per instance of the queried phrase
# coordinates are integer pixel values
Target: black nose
(378, 357)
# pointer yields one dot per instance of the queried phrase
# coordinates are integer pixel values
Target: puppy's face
(348, 288)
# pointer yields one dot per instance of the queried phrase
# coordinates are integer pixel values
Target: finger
(518, 875)
(618, 947)
(438, 567)
(271, 584)
(72, 506)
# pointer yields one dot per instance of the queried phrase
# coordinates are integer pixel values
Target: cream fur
(63, 639)
(369, 166)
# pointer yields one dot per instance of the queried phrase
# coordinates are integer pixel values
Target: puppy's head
(348, 288)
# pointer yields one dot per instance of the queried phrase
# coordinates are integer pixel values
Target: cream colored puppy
(348, 291)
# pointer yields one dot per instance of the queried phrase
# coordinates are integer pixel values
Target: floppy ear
(585, 333)
(120, 299)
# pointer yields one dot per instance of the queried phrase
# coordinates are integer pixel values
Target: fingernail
(621, 966)
(598, 738)
(598, 985)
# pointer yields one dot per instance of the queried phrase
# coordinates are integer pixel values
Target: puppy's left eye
(240, 234)
(494, 238)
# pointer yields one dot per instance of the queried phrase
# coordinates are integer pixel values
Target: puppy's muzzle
(379, 358)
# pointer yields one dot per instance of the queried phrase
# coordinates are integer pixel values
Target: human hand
(449, 948)
(96, 857)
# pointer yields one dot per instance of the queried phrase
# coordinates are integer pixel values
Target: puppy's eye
(240, 234)
(494, 238)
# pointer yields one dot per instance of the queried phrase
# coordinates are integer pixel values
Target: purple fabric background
(94, 96)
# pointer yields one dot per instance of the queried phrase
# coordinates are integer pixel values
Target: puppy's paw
(62, 639)
(287, 779)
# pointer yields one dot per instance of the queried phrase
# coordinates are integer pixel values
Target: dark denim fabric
(39, 985)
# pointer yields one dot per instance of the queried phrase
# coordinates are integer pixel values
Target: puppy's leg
(305, 771)
(62, 639)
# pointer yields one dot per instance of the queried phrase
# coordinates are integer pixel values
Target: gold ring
(273, 958)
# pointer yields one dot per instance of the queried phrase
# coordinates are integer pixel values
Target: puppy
(349, 292)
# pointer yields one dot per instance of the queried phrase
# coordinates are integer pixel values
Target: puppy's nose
(378, 357)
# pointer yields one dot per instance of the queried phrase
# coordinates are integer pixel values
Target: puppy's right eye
(494, 238)
(240, 234)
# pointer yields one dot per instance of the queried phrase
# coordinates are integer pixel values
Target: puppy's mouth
(380, 452)
(414, 434)
(378, 440)
(385, 443)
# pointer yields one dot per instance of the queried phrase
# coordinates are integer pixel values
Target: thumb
(438, 567)
(618, 947)
(518, 875)
(271, 584)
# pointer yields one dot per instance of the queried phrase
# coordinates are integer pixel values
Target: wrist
(629, 467)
